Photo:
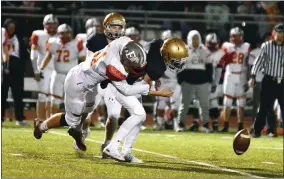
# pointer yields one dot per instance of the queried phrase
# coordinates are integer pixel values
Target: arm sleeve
(258, 63)
(130, 90)
(34, 52)
(34, 56)
(217, 76)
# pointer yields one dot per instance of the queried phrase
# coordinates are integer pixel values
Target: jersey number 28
(238, 58)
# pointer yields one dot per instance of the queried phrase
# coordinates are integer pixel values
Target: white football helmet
(92, 22)
(64, 28)
(50, 18)
(166, 34)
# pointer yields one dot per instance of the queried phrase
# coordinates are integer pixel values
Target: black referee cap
(279, 27)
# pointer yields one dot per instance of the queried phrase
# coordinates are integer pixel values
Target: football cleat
(85, 134)
(37, 131)
(113, 153)
(129, 157)
(77, 135)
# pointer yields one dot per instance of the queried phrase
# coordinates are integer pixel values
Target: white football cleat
(129, 157)
(85, 134)
(180, 129)
(113, 153)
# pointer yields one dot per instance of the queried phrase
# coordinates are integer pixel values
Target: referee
(271, 62)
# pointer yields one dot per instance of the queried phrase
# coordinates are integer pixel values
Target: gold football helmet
(114, 19)
(175, 53)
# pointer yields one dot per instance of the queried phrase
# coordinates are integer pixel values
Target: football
(241, 141)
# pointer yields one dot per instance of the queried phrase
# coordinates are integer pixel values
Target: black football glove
(105, 83)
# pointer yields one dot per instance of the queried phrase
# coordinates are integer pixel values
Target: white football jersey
(236, 59)
(105, 64)
(14, 46)
(216, 56)
(40, 39)
(65, 56)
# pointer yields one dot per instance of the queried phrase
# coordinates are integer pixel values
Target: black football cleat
(194, 126)
(77, 135)
(37, 131)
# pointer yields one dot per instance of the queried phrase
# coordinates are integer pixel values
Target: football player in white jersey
(216, 54)
(113, 63)
(171, 53)
(65, 52)
(39, 40)
(93, 26)
(133, 31)
(235, 80)
(168, 80)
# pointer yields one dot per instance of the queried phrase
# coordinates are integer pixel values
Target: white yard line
(268, 148)
(174, 157)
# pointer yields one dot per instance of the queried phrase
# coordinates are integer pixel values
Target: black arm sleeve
(96, 42)
(156, 66)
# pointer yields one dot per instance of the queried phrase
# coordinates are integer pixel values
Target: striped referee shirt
(270, 60)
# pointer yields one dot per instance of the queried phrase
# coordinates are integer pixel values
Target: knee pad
(228, 102)
(63, 121)
(214, 113)
(55, 100)
(139, 111)
(114, 114)
(241, 102)
(195, 113)
(42, 98)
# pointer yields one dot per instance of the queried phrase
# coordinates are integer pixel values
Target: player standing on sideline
(39, 40)
(235, 81)
(216, 54)
(65, 51)
(5, 54)
(171, 53)
(113, 63)
(93, 26)
(195, 82)
(168, 80)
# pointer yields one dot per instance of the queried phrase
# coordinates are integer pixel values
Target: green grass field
(165, 154)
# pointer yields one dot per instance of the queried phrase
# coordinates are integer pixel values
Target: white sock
(175, 123)
(160, 120)
(130, 139)
(43, 126)
(127, 126)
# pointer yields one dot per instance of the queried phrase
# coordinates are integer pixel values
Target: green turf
(53, 156)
